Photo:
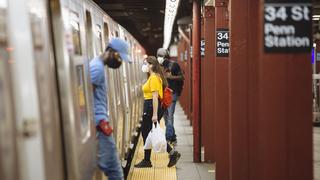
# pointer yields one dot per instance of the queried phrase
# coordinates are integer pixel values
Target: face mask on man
(160, 60)
(145, 68)
(113, 63)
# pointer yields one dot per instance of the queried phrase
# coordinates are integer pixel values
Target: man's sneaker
(174, 158)
(143, 164)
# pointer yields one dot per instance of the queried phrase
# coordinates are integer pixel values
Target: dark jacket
(175, 85)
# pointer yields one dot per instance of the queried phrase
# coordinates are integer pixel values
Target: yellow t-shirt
(153, 84)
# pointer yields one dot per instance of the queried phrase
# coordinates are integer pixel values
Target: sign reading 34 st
(222, 42)
(287, 26)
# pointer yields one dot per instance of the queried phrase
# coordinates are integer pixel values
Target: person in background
(152, 110)
(175, 79)
(108, 160)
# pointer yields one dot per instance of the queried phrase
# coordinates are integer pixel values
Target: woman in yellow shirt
(152, 110)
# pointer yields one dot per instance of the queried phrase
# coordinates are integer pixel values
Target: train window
(99, 39)
(126, 84)
(82, 99)
(36, 29)
(118, 87)
(3, 21)
(75, 27)
(89, 35)
(106, 33)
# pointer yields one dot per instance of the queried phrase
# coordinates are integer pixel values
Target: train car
(47, 128)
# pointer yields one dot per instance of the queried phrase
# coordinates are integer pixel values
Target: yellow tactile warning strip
(159, 170)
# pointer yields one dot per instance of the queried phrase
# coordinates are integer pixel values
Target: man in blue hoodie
(108, 161)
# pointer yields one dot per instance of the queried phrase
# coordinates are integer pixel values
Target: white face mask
(160, 60)
(145, 68)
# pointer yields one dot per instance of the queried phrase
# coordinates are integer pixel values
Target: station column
(207, 85)
(196, 60)
(221, 112)
(270, 90)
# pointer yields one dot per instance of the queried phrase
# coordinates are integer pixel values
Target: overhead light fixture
(170, 15)
(316, 16)
(316, 19)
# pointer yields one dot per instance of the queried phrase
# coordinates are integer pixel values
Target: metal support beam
(208, 86)
(196, 35)
(271, 101)
(221, 116)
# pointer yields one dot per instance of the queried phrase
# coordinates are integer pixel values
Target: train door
(131, 89)
(8, 153)
(141, 78)
(45, 72)
(125, 108)
(119, 116)
(112, 89)
(115, 100)
(128, 114)
(134, 91)
(110, 78)
(74, 88)
(28, 123)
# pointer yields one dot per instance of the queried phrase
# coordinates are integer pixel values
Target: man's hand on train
(105, 127)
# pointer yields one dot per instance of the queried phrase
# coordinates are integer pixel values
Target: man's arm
(178, 77)
(177, 70)
(96, 75)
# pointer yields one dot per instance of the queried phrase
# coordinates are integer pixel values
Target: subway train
(47, 130)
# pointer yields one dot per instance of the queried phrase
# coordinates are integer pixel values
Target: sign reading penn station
(287, 26)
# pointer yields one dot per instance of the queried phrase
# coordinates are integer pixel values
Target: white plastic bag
(156, 139)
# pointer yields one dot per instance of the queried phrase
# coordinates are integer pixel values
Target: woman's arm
(155, 96)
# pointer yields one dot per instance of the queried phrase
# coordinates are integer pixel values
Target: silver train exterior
(47, 130)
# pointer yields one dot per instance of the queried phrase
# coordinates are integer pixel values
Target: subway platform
(248, 109)
(185, 168)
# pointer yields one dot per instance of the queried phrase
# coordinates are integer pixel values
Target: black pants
(146, 125)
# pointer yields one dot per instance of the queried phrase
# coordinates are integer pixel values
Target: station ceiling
(144, 19)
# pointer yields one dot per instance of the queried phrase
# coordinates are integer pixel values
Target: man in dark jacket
(175, 80)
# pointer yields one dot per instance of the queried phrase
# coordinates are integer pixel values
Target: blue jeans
(108, 159)
(169, 119)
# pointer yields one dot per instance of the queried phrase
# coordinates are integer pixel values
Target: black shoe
(174, 159)
(143, 164)
(173, 142)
